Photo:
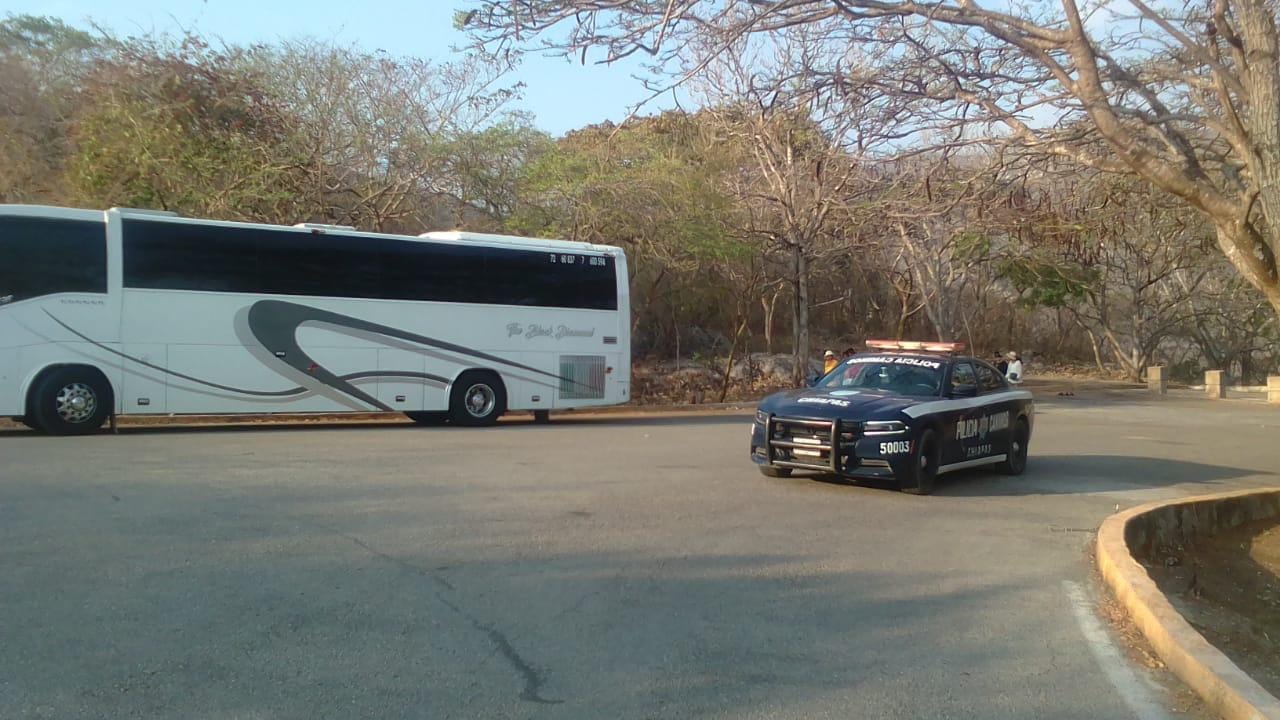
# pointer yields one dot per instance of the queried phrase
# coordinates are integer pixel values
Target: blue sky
(560, 94)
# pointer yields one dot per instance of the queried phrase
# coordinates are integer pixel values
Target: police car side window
(989, 380)
(962, 376)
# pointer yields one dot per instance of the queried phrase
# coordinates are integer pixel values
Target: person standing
(1014, 371)
(829, 362)
(1001, 364)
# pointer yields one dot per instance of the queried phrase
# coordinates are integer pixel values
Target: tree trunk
(733, 351)
(1261, 274)
(1097, 352)
(770, 305)
(800, 315)
(1130, 362)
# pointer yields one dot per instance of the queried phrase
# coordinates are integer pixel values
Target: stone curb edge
(1224, 687)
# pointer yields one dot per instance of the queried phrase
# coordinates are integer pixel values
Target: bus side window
(44, 256)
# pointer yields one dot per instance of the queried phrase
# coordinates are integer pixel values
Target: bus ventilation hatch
(582, 377)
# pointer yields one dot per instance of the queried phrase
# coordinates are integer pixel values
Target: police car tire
(1016, 460)
(918, 480)
(774, 472)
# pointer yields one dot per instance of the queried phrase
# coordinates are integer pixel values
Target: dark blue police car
(904, 410)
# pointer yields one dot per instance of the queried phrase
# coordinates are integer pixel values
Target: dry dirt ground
(1228, 587)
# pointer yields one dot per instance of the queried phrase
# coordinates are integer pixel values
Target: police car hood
(847, 404)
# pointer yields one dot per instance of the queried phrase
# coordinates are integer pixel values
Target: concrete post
(1156, 382)
(1273, 389)
(1213, 386)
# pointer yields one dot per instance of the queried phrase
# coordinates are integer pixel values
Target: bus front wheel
(478, 398)
(70, 401)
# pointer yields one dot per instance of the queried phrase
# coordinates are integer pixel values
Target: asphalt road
(615, 567)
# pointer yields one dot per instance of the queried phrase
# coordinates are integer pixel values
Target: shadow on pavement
(1067, 474)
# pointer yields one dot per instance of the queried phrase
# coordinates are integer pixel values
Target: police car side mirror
(964, 391)
(813, 381)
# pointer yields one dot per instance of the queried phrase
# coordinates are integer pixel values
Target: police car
(904, 410)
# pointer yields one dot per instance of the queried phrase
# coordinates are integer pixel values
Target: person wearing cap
(829, 362)
(1014, 373)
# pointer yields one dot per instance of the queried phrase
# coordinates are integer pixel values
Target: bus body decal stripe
(244, 391)
(274, 325)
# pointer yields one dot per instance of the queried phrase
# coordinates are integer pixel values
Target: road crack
(532, 677)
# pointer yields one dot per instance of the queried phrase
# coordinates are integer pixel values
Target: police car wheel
(1016, 461)
(918, 479)
(774, 472)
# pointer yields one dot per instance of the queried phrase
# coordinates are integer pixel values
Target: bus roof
(447, 236)
(463, 236)
(51, 211)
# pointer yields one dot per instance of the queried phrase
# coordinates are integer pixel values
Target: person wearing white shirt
(1014, 373)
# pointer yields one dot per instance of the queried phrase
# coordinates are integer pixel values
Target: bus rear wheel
(70, 401)
(478, 398)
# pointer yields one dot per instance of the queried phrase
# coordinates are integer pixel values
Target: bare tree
(802, 168)
(1124, 260)
(374, 131)
(939, 232)
(1186, 97)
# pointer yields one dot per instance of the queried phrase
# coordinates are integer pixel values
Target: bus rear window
(45, 256)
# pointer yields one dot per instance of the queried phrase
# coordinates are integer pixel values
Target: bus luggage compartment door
(400, 382)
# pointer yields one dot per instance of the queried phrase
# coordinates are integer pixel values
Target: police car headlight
(762, 417)
(885, 427)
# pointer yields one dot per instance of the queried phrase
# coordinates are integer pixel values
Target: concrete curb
(1227, 689)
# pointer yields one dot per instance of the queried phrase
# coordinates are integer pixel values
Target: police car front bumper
(849, 448)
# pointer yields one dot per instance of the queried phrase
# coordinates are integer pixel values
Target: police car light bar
(937, 347)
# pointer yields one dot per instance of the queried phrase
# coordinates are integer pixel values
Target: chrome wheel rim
(1018, 451)
(926, 455)
(76, 403)
(479, 400)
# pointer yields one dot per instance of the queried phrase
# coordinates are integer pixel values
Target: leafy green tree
(181, 126)
(42, 65)
(658, 187)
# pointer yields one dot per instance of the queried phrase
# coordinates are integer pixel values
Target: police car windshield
(896, 374)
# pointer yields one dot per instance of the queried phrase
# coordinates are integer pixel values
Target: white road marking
(1137, 692)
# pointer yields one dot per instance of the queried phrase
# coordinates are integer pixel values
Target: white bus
(134, 311)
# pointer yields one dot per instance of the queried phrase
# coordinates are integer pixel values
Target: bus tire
(70, 400)
(478, 398)
(428, 418)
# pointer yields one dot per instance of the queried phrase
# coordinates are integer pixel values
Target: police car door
(1000, 411)
(959, 433)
